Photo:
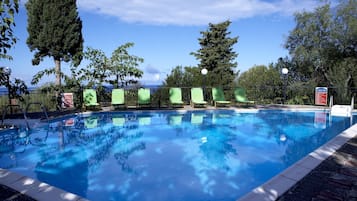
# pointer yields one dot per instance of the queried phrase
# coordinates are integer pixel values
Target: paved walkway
(8, 194)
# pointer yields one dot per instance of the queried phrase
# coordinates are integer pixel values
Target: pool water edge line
(281, 183)
(185, 110)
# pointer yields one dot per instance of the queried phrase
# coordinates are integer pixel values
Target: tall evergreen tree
(7, 14)
(216, 54)
(55, 30)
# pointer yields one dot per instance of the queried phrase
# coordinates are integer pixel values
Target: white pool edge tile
(279, 184)
(35, 189)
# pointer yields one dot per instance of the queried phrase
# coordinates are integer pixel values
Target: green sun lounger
(197, 118)
(197, 97)
(118, 120)
(90, 98)
(144, 96)
(144, 121)
(118, 97)
(175, 120)
(176, 97)
(218, 97)
(241, 97)
(91, 122)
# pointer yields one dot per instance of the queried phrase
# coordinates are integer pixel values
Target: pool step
(341, 110)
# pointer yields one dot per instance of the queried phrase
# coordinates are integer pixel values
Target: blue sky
(165, 32)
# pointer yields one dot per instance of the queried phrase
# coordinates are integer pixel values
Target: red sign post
(321, 96)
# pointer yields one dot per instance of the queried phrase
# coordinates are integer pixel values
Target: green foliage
(216, 54)
(301, 92)
(97, 70)
(121, 65)
(55, 30)
(38, 76)
(125, 66)
(345, 29)
(8, 9)
(261, 83)
(16, 89)
(44, 95)
(340, 77)
(308, 42)
(323, 47)
(184, 77)
(120, 70)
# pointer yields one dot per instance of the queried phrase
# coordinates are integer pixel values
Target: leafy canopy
(261, 82)
(323, 47)
(121, 69)
(8, 9)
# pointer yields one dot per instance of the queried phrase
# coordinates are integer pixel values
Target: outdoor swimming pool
(167, 155)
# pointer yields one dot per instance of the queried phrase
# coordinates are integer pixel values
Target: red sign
(320, 120)
(321, 96)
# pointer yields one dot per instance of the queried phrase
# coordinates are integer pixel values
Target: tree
(120, 70)
(344, 29)
(184, 77)
(98, 68)
(343, 74)
(216, 54)
(308, 43)
(8, 8)
(15, 89)
(261, 83)
(124, 66)
(323, 47)
(55, 30)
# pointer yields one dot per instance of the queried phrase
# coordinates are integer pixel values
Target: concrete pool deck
(291, 184)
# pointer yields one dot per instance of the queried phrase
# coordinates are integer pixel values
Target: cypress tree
(216, 54)
(55, 30)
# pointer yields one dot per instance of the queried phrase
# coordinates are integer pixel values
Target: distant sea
(3, 90)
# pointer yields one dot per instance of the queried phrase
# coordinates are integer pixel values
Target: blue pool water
(191, 156)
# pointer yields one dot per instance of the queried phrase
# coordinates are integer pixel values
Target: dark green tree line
(323, 47)
(261, 83)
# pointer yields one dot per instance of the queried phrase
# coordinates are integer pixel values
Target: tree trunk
(58, 72)
(58, 83)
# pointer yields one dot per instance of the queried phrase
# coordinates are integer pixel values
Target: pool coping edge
(35, 189)
(279, 184)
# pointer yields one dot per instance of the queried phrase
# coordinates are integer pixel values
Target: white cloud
(192, 12)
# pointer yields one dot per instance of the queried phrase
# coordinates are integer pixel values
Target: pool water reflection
(201, 155)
